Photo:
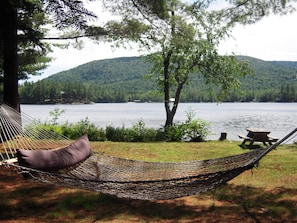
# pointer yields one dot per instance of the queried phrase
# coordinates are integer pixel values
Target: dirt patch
(21, 201)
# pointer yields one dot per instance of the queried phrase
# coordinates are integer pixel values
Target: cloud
(272, 38)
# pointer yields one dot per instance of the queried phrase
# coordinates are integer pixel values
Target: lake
(233, 118)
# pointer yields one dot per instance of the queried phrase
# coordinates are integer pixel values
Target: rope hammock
(107, 174)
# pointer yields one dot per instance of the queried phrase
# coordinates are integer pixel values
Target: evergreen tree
(21, 33)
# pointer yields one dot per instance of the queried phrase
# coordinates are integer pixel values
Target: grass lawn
(265, 194)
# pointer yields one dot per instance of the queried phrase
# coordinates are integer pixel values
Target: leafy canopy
(183, 38)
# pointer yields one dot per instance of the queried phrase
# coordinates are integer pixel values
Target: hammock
(123, 178)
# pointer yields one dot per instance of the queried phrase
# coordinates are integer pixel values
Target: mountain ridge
(126, 77)
(135, 67)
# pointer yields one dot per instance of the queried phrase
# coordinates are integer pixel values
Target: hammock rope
(117, 176)
(14, 135)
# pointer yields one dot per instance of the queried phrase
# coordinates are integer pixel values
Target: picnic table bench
(258, 135)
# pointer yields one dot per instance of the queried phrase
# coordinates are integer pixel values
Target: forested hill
(129, 73)
(270, 74)
(291, 64)
(125, 79)
(111, 73)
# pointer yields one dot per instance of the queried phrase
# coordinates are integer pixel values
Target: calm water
(233, 118)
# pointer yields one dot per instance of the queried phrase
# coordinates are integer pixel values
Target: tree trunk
(169, 118)
(166, 62)
(10, 65)
(171, 113)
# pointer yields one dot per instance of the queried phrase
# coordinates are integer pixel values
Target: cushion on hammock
(49, 160)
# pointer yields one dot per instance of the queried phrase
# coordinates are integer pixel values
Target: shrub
(55, 114)
(191, 130)
(139, 133)
(195, 130)
(174, 133)
(43, 131)
(117, 134)
(73, 131)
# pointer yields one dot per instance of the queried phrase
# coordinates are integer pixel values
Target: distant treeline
(52, 92)
(128, 79)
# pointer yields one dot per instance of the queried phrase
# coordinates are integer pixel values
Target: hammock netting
(117, 176)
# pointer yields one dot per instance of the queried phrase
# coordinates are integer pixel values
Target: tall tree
(32, 52)
(16, 34)
(183, 39)
(8, 12)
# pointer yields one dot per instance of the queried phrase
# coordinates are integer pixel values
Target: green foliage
(191, 130)
(186, 41)
(185, 38)
(43, 130)
(84, 126)
(55, 114)
(195, 130)
(32, 52)
(117, 134)
(73, 131)
(174, 133)
(138, 133)
(269, 83)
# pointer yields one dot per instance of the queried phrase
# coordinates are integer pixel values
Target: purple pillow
(50, 160)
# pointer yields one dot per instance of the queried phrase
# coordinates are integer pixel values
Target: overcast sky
(273, 38)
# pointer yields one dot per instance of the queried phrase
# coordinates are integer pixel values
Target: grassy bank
(265, 194)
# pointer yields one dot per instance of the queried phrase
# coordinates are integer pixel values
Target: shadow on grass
(251, 147)
(277, 205)
(21, 201)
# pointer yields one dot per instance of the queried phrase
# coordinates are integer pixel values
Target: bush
(117, 134)
(74, 131)
(138, 133)
(174, 133)
(43, 131)
(195, 130)
(191, 130)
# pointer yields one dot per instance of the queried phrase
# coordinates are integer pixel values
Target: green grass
(276, 169)
(169, 151)
(265, 194)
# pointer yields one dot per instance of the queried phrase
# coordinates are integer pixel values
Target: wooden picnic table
(258, 135)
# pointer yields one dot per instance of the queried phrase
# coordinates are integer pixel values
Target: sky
(272, 38)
